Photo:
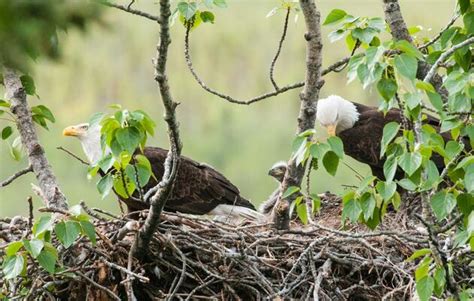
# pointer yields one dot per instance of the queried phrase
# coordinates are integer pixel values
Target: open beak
(70, 131)
(331, 130)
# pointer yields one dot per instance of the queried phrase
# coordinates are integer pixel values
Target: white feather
(335, 110)
(232, 213)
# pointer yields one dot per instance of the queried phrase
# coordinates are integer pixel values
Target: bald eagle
(360, 128)
(198, 188)
(277, 171)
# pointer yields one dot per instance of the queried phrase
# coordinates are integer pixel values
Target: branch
(440, 33)
(73, 155)
(280, 44)
(18, 174)
(399, 31)
(130, 10)
(189, 63)
(165, 187)
(15, 92)
(309, 96)
(431, 73)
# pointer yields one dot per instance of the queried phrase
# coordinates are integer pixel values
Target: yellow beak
(331, 130)
(70, 131)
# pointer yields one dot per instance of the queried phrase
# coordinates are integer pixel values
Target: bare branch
(431, 73)
(73, 155)
(158, 200)
(15, 92)
(130, 10)
(280, 44)
(440, 33)
(18, 174)
(95, 284)
(307, 116)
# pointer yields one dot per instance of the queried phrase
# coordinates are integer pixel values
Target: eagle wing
(198, 187)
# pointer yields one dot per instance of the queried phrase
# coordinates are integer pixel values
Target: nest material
(193, 258)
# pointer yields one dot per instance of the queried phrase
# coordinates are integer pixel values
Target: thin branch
(332, 68)
(130, 10)
(73, 155)
(165, 186)
(438, 36)
(431, 73)
(95, 284)
(18, 174)
(126, 271)
(321, 275)
(280, 44)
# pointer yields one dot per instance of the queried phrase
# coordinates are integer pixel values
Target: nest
(194, 258)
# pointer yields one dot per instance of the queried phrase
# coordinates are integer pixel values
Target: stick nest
(193, 258)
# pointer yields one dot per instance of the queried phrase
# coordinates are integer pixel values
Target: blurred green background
(112, 64)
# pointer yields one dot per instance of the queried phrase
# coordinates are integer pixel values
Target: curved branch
(18, 174)
(280, 44)
(130, 10)
(431, 73)
(165, 186)
(440, 33)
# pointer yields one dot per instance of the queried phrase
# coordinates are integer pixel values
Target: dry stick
(280, 44)
(307, 115)
(73, 155)
(93, 283)
(322, 274)
(18, 174)
(126, 271)
(128, 9)
(16, 93)
(431, 73)
(158, 200)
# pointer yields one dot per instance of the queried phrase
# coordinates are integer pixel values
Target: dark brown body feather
(363, 141)
(198, 187)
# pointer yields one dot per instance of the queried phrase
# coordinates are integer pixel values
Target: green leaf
(390, 131)
(13, 266)
(29, 84)
(424, 288)
(105, 184)
(386, 189)
(390, 167)
(290, 191)
(469, 22)
(302, 213)
(351, 210)
(334, 16)
(6, 132)
(45, 223)
(452, 149)
(442, 204)
(318, 150)
(365, 35)
(406, 65)
(120, 189)
(440, 281)
(34, 246)
(435, 100)
(13, 247)
(220, 3)
(387, 88)
(316, 203)
(423, 268)
(47, 258)
(106, 162)
(67, 232)
(407, 184)
(410, 162)
(44, 112)
(89, 230)
(331, 162)
(336, 146)
(469, 178)
(207, 17)
(408, 48)
(187, 10)
(129, 138)
(367, 204)
(464, 5)
(427, 87)
(419, 253)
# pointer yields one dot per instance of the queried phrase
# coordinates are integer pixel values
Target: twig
(103, 288)
(126, 271)
(30, 216)
(440, 33)
(444, 56)
(128, 9)
(18, 174)
(280, 44)
(323, 273)
(73, 155)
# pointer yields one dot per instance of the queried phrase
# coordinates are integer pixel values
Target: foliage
(122, 134)
(193, 13)
(39, 245)
(30, 28)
